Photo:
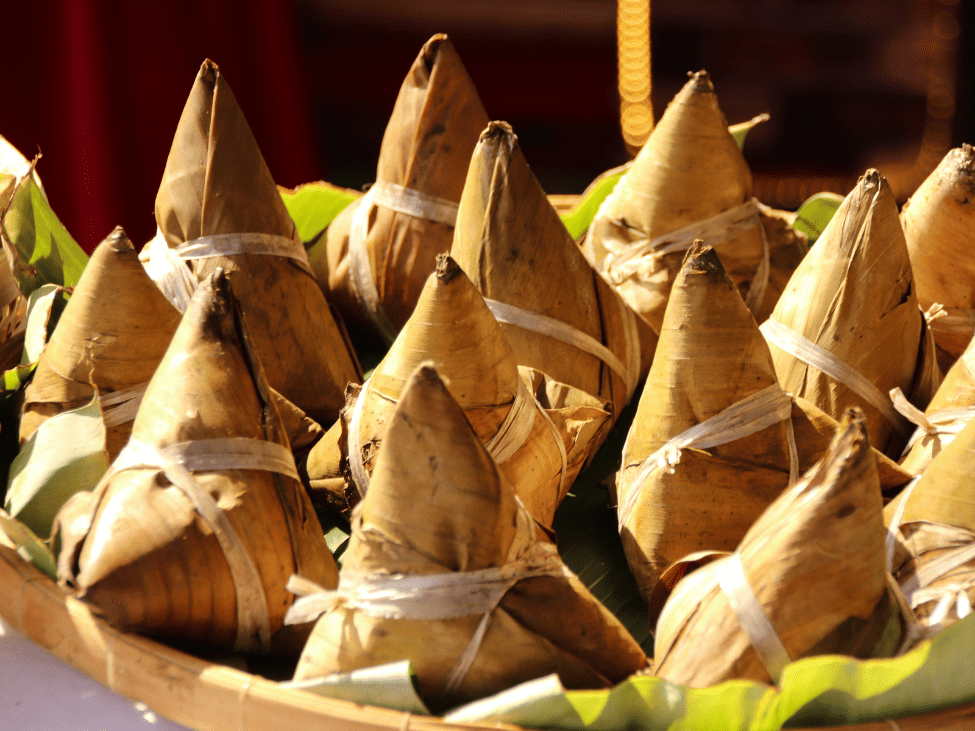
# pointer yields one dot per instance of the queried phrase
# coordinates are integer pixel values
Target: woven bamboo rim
(204, 695)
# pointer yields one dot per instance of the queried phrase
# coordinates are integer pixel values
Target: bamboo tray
(204, 695)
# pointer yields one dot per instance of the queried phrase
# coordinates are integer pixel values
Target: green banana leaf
(578, 219)
(386, 686)
(64, 456)
(336, 536)
(30, 548)
(14, 380)
(740, 131)
(44, 308)
(816, 692)
(42, 249)
(315, 205)
(815, 213)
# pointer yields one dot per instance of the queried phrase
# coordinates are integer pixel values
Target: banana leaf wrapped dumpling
(808, 578)
(868, 336)
(689, 181)
(218, 206)
(540, 432)
(715, 439)
(112, 335)
(560, 317)
(441, 519)
(939, 226)
(198, 524)
(932, 526)
(711, 360)
(378, 252)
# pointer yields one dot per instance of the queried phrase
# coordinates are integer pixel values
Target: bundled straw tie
(727, 225)
(402, 200)
(424, 597)
(936, 569)
(119, 407)
(951, 319)
(946, 596)
(944, 422)
(207, 247)
(509, 438)
(812, 354)
(749, 416)
(178, 461)
(165, 265)
(544, 325)
(750, 614)
(449, 595)
(917, 589)
(890, 544)
(413, 203)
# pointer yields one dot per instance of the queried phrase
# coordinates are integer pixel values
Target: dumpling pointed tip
(209, 71)
(700, 82)
(118, 240)
(703, 259)
(447, 269)
(499, 130)
(871, 187)
(854, 422)
(873, 177)
(433, 47)
(218, 278)
(853, 417)
(960, 160)
(214, 291)
(426, 374)
(851, 443)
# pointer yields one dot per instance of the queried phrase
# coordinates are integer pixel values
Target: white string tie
(631, 259)
(952, 320)
(262, 244)
(544, 325)
(402, 200)
(751, 415)
(943, 422)
(167, 268)
(828, 363)
(120, 407)
(751, 615)
(449, 595)
(177, 462)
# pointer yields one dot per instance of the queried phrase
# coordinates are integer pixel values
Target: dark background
(99, 86)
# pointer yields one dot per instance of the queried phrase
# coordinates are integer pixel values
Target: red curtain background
(98, 87)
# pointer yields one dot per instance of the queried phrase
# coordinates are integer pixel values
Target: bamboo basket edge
(178, 686)
(204, 695)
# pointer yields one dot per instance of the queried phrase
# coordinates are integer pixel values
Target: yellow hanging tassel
(633, 39)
